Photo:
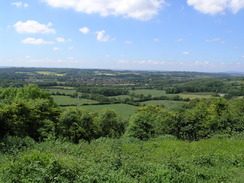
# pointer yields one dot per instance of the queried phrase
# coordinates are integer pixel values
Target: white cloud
(84, 30)
(71, 47)
(128, 42)
(140, 62)
(216, 6)
(218, 40)
(179, 40)
(137, 9)
(101, 36)
(242, 56)
(156, 40)
(55, 61)
(122, 61)
(186, 53)
(35, 41)
(213, 40)
(56, 49)
(60, 39)
(149, 62)
(33, 27)
(20, 4)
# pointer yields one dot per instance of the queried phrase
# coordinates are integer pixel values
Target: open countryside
(122, 91)
(156, 126)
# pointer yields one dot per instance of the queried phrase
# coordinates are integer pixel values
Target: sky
(162, 35)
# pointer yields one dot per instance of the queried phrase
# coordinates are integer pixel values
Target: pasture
(198, 95)
(62, 91)
(123, 110)
(154, 93)
(168, 104)
(67, 100)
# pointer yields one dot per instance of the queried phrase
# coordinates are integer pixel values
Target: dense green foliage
(200, 85)
(27, 111)
(78, 124)
(30, 111)
(196, 120)
(122, 160)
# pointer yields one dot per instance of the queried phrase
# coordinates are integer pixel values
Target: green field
(123, 110)
(154, 93)
(169, 104)
(67, 100)
(62, 91)
(120, 96)
(158, 93)
(28, 73)
(196, 95)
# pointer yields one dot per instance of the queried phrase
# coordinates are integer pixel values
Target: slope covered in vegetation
(200, 141)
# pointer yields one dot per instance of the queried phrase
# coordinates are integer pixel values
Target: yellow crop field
(49, 73)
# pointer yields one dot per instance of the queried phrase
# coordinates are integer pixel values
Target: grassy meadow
(198, 95)
(123, 110)
(67, 100)
(168, 104)
(158, 93)
(62, 91)
(154, 93)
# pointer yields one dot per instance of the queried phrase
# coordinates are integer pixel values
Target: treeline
(209, 85)
(200, 85)
(106, 91)
(199, 119)
(132, 99)
(30, 111)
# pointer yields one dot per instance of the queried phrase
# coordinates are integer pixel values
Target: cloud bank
(20, 4)
(35, 41)
(137, 9)
(33, 27)
(101, 36)
(84, 30)
(213, 7)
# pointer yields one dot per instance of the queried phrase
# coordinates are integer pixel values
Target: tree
(75, 124)
(27, 111)
(109, 125)
(142, 124)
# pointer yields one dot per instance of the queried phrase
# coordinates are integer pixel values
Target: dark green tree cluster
(196, 120)
(200, 85)
(76, 124)
(27, 111)
(30, 111)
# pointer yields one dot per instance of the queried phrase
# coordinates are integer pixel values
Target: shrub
(39, 167)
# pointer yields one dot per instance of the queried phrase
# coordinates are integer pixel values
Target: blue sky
(166, 35)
